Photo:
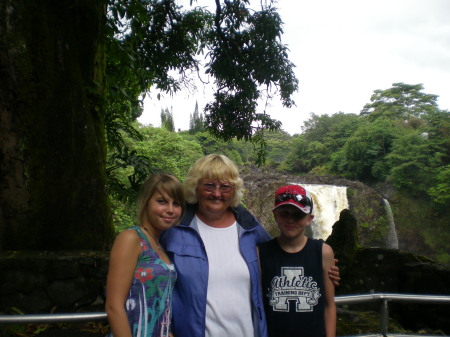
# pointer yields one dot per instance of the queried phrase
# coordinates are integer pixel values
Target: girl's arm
(122, 264)
(330, 305)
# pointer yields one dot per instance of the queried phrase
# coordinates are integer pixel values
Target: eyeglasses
(301, 199)
(223, 188)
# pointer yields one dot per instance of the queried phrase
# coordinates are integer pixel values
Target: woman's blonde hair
(162, 183)
(214, 167)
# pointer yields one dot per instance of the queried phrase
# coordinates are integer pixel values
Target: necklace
(156, 241)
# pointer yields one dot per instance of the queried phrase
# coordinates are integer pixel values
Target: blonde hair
(162, 183)
(214, 167)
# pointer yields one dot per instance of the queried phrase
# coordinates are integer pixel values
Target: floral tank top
(149, 302)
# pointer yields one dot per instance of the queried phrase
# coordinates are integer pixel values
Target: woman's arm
(330, 305)
(333, 273)
(122, 263)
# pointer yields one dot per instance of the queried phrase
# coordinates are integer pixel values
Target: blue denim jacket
(186, 250)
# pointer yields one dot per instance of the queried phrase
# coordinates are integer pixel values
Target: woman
(141, 276)
(214, 250)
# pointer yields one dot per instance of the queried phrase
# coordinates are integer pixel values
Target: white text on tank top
(228, 308)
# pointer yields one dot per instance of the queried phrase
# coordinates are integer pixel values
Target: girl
(140, 276)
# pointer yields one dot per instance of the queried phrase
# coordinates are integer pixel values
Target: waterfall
(392, 239)
(329, 201)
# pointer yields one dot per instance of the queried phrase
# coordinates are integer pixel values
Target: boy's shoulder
(266, 244)
(317, 244)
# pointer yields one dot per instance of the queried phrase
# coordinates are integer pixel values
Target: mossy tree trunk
(52, 141)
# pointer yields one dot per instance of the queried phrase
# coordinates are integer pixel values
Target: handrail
(393, 297)
(385, 298)
(53, 318)
(348, 299)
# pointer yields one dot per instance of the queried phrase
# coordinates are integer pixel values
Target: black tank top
(293, 290)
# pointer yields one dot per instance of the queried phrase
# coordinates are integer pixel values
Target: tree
(246, 53)
(245, 57)
(402, 101)
(322, 137)
(389, 119)
(167, 120)
(363, 155)
(75, 73)
(420, 157)
(196, 121)
(297, 160)
(52, 131)
(331, 130)
(410, 164)
(278, 145)
(440, 191)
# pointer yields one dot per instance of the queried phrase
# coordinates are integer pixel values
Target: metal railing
(385, 298)
(53, 318)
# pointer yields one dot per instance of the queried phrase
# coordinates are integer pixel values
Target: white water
(329, 201)
(392, 239)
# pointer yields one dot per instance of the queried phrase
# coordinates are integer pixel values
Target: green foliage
(167, 151)
(438, 134)
(278, 146)
(157, 150)
(421, 227)
(437, 238)
(420, 158)
(144, 42)
(246, 54)
(196, 121)
(126, 170)
(297, 160)
(364, 152)
(352, 323)
(322, 137)
(147, 41)
(124, 214)
(440, 192)
(333, 131)
(410, 162)
(167, 120)
(402, 101)
(238, 151)
(150, 39)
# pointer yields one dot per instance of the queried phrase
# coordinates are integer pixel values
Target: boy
(297, 292)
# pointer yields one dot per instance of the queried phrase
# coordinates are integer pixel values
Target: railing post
(384, 319)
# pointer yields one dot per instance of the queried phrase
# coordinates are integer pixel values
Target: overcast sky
(343, 51)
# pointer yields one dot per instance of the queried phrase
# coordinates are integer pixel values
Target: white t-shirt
(228, 303)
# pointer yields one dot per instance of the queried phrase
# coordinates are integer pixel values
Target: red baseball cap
(294, 195)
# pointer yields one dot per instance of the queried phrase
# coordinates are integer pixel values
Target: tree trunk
(52, 144)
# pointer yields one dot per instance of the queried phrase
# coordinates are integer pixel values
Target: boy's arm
(330, 305)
